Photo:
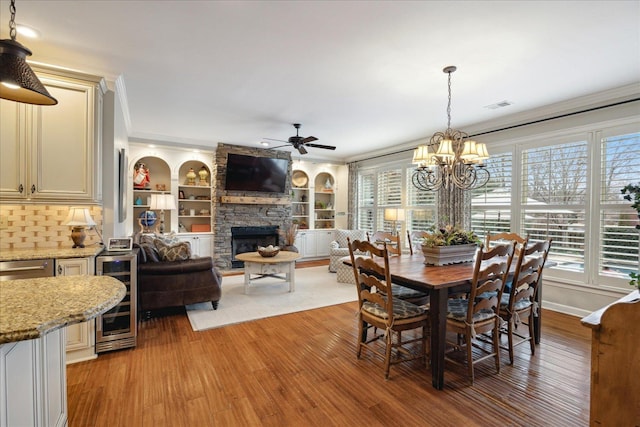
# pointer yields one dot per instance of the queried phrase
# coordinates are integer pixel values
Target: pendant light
(18, 82)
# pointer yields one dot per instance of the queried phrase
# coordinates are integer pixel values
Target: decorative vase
(290, 248)
(191, 177)
(443, 255)
(203, 173)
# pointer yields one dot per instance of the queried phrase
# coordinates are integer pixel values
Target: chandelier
(450, 159)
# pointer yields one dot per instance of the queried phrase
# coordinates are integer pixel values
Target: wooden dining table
(410, 271)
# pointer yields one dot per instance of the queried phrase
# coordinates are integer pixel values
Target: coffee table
(283, 263)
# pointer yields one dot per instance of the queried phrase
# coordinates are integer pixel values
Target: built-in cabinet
(313, 243)
(186, 175)
(318, 205)
(80, 337)
(33, 382)
(52, 153)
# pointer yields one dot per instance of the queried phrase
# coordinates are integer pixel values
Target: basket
(268, 252)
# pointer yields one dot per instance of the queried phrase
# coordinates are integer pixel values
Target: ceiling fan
(299, 142)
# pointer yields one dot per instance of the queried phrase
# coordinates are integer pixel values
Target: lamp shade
(162, 202)
(18, 82)
(394, 214)
(79, 217)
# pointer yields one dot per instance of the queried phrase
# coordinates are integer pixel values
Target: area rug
(315, 288)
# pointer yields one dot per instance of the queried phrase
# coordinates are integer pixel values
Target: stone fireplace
(255, 211)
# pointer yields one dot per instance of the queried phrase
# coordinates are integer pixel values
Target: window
(491, 204)
(554, 189)
(618, 242)
(391, 187)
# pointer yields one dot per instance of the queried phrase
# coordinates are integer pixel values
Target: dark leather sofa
(176, 283)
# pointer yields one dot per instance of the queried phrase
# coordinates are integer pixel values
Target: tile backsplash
(40, 226)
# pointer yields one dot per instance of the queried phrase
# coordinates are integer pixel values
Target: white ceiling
(362, 75)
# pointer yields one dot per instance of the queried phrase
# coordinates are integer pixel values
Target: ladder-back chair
(382, 316)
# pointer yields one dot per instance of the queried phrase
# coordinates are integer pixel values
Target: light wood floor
(301, 369)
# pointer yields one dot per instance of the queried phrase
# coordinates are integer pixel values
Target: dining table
(439, 281)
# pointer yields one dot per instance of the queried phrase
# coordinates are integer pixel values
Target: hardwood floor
(301, 369)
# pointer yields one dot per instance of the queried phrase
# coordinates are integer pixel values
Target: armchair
(339, 248)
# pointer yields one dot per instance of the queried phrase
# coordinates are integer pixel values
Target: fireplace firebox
(247, 239)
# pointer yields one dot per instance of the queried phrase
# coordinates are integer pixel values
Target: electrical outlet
(4, 222)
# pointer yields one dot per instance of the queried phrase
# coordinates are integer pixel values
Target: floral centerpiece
(449, 245)
(629, 191)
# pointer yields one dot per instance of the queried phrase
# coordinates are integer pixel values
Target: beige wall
(40, 226)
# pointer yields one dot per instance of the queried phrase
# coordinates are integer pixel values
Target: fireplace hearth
(247, 239)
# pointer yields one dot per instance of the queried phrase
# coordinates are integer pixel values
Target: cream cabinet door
(80, 336)
(62, 146)
(13, 140)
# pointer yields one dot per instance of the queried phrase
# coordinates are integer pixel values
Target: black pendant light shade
(18, 82)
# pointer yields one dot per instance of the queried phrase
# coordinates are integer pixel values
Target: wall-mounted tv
(250, 173)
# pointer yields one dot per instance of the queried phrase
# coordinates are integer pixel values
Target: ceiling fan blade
(271, 139)
(309, 139)
(301, 149)
(280, 146)
(326, 147)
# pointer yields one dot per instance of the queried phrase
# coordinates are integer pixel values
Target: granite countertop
(43, 253)
(30, 308)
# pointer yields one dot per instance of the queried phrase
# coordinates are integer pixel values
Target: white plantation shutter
(366, 202)
(618, 240)
(420, 209)
(491, 205)
(389, 196)
(554, 188)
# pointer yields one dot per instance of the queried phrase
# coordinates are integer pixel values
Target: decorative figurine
(141, 178)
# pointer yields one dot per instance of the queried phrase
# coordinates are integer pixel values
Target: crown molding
(121, 92)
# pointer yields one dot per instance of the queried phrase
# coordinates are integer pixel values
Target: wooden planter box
(443, 255)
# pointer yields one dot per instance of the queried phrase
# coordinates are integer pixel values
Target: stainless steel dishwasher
(10, 270)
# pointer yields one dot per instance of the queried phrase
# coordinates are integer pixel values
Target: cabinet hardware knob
(20, 188)
(33, 188)
(59, 269)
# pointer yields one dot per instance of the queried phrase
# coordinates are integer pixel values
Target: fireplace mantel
(251, 200)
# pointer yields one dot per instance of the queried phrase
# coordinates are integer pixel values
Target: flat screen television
(250, 173)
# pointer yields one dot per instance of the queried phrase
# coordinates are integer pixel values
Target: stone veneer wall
(227, 215)
(40, 226)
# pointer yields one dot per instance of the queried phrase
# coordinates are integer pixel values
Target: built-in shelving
(300, 199)
(324, 201)
(194, 198)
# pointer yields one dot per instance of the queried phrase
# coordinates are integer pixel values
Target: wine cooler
(116, 328)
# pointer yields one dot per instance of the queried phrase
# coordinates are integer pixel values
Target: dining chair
(505, 237)
(385, 317)
(477, 315)
(414, 240)
(521, 303)
(392, 243)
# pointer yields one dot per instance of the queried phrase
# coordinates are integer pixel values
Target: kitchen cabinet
(51, 153)
(33, 381)
(80, 341)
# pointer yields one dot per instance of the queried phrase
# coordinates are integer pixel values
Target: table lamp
(162, 202)
(395, 215)
(78, 219)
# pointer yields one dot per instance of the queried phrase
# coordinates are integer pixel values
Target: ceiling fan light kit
(299, 142)
(450, 159)
(18, 81)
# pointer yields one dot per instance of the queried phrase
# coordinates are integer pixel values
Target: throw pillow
(173, 252)
(150, 252)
